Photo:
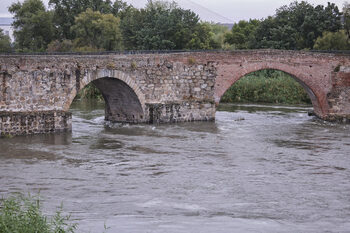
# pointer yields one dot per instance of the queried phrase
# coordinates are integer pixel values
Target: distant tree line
(103, 25)
(299, 26)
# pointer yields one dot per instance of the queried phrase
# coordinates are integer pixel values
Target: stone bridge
(36, 91)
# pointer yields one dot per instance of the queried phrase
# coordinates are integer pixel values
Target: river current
(258, 168)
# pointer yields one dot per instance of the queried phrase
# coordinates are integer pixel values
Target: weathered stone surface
(157, 87)
(18, 123)
(181, 112)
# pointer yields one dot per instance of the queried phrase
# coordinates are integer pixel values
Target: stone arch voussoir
(229, 74)
(92, 75)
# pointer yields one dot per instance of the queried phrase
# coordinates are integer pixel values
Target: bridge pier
(186, 111)
(26, 123)
(23, 123)
(339, 97)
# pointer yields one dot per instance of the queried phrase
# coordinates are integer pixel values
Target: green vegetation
(164, 26)
(293, 27)
(33, 25)
(90, 92)
(5, 44)
(95, 30)
(242, 34)
(22, 214)
(100, 25)
(218, 33)
(333, 41)
(278, 87)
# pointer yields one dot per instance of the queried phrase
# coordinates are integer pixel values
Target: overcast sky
(225, 11)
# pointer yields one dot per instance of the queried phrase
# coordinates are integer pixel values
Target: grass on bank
(22, 214)
(266, 86)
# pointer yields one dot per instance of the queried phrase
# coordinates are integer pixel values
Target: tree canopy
(5, 42)
(297, 26)
(94, 25)
(33, 25)
(96, 30)
(294, 26)
(65, 12)
(163, 25)
(242, 34)
(332, 41)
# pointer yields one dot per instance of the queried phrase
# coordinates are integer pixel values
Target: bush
(60, 46)
(90, 92)
(22, 214)
(267, 86)
(5, 43)
(332, 41)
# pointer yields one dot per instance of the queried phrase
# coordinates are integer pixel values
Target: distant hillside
(6, 21)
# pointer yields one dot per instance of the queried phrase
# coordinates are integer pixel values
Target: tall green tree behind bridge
(293, 27)
(33, 28)
(160, 25)
(164, 25)
(97, 31)
(5, 43)
(242, 34)
(339, 40)
(65, 12)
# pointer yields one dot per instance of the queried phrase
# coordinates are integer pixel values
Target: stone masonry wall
(339, 97)
(170, 88)
(18, 123)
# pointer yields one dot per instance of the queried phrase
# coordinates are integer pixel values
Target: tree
(33, 25)
(65, 12)
(346, 14)
(5, 43)
(202, 38)
(96, 30)
(333, 41)
(163, 25)
(297, 26)
(242, 34)
(218, 33)
(120, 9)
(60, 46)
(270, 34)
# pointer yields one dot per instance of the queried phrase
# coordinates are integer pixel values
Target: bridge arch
(124, 101)
(228, 75)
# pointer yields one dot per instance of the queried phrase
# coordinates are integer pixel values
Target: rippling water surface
(256, 169)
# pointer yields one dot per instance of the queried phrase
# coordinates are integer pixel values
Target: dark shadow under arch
(121, 102)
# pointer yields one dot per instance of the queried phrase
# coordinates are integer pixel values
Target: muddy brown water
(258, 168)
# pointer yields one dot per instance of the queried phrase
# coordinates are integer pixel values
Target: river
(258, 168)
